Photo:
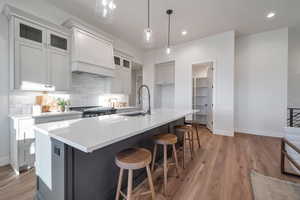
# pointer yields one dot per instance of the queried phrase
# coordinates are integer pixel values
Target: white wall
(294, 67)
(261, 83)
(218, 48)
(42, 9)
(4, 127)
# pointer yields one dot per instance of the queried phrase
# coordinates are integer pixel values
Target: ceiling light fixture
(271, 15)
(105, 9)
(184, 32)
(169, 13)
(148, 31)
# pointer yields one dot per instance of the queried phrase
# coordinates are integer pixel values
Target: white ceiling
(199, 17)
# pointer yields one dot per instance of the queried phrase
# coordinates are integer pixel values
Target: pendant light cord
(169, 27)
(148, 13)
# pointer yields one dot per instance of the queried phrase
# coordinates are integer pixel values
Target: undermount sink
(133, 114)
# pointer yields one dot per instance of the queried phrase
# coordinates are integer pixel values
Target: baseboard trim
(261, 133)
(223, 132)
(4, 160)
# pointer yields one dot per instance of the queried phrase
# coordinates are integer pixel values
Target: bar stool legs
(187, 131)
(175, 158)
(150, 182)
(165, 169)
(195, 127)
(191, 141)
(198, 138)
(154, 157)
(119, 184)
(129, 184)
(165, 140)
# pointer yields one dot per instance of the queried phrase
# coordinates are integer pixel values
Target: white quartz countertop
(48, 114)
(89, 134)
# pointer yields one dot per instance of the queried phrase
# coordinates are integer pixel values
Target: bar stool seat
(167, 139)
(132, 159)
(184, 127)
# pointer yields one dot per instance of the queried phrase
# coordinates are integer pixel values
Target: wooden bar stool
(132, 159)
(165, 139)
(195, 126)
(187, 131)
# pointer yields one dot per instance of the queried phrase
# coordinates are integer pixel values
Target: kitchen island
(75, 158)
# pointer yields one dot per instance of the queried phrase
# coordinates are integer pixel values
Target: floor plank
(219, 171)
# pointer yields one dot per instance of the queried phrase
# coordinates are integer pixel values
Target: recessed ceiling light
(184, 32)
(271, 15)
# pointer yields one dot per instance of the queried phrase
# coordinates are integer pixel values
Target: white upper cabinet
(58, 59)
(121, 82)
(91, 51)
(30, 55)
(39, 53)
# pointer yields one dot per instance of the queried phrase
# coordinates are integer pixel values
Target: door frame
(214, 65)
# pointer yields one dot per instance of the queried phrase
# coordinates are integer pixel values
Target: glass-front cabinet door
(29, 32)
(30, 55)
(58, 41)
(58, 61)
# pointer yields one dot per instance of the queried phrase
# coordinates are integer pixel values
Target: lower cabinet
(22, 139)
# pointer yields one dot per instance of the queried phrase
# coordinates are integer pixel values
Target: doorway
(203, 93)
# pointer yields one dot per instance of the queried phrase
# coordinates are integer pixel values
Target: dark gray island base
(76, 175)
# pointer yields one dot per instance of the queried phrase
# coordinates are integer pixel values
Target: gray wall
(4, 136)
(294, 67)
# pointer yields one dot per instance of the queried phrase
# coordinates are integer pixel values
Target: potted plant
(62, 103)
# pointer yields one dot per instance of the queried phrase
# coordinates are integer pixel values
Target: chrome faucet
(149, 97)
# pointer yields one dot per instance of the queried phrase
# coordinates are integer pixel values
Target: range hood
(91, 51)
(80, 67)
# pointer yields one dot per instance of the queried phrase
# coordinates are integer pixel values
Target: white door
(210, 106)
(30, 54)
(59, 61)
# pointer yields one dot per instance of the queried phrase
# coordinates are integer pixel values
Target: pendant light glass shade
(105, 10)
(148, 35)
(168, 50)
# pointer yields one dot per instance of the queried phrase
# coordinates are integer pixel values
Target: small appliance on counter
(94, 111)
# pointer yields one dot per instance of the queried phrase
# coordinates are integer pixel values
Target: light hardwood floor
(220, 171)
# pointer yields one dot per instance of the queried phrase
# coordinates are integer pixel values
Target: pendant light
(148, 31)
(105, 10)
(169, 13)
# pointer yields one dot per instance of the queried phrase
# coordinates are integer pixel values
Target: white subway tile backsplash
(87, 90)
